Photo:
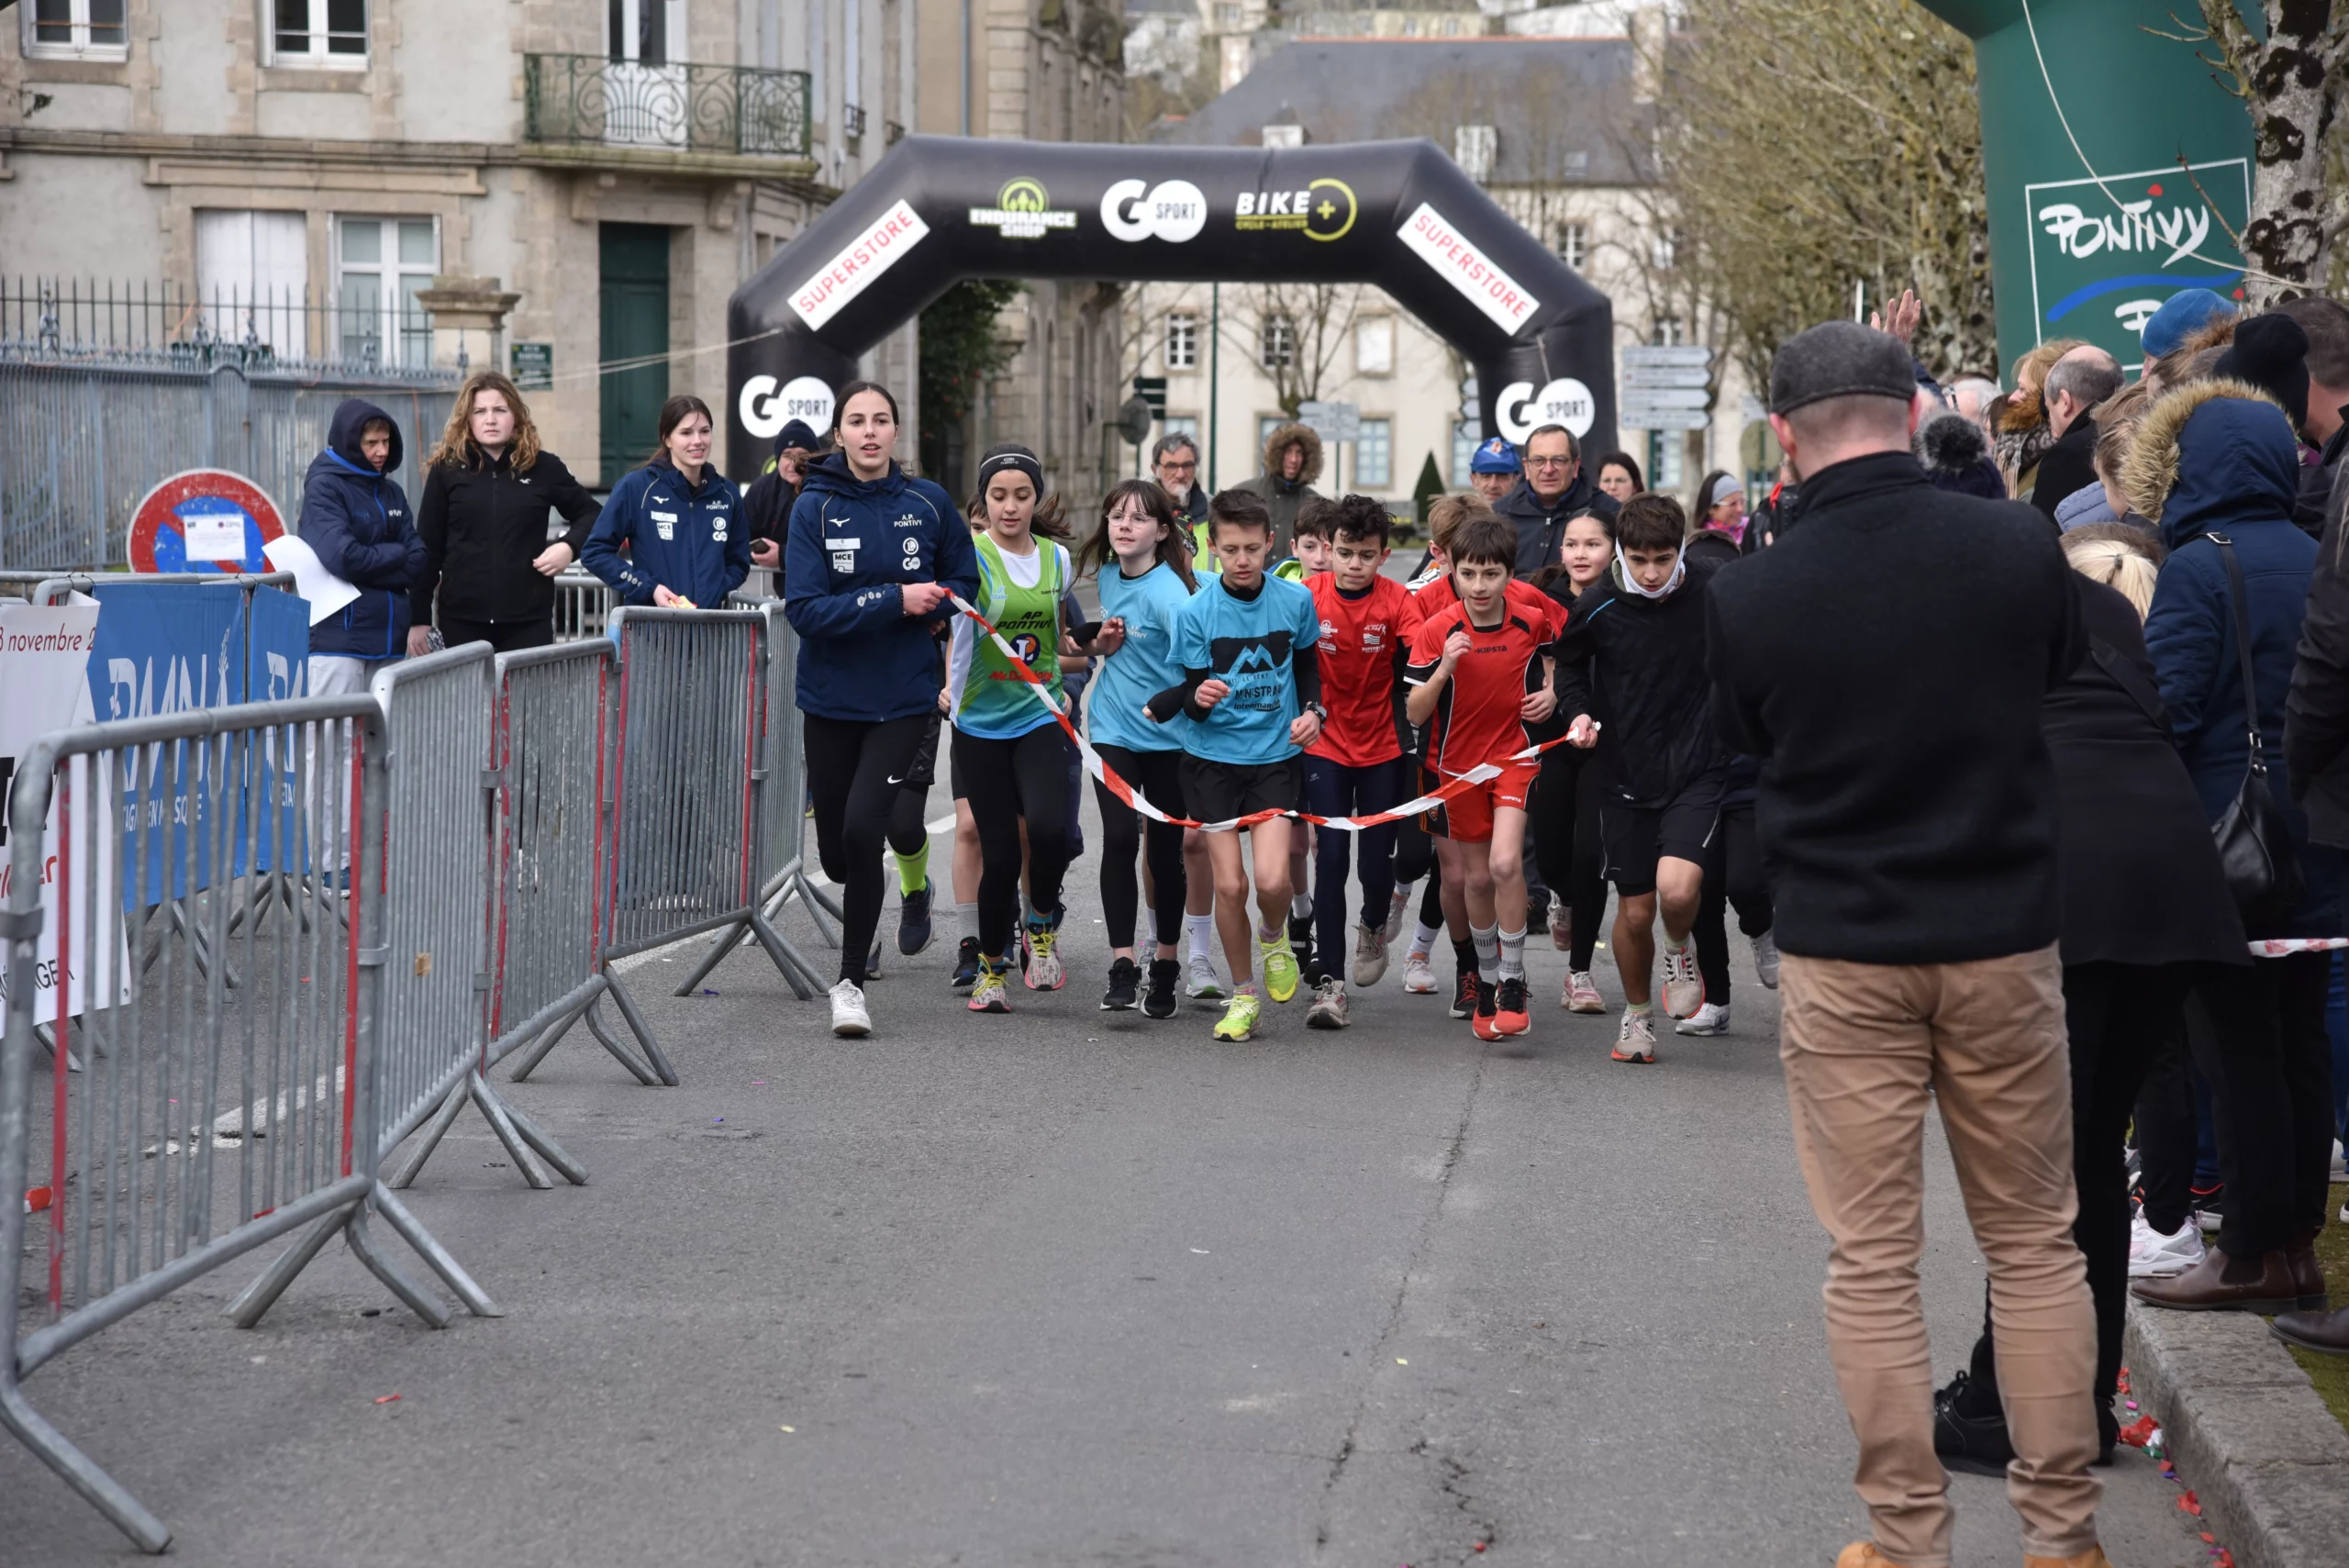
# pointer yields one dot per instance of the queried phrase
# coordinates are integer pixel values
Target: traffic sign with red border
(204, 519)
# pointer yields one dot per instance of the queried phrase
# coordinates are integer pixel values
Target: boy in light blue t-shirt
(1252, 690)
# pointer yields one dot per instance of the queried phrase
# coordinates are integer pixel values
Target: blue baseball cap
(1495, 456)
(2181, 316)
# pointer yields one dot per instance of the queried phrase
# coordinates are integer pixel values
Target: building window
(379, 263)
(1573, 245)
(1276, 343)
(1667, 251)
(1375, 454)
(77, 29)
(1265, 424)
(1182, 341)
(1667, 333)
(318, 32)
(1227, 17)
(1183, 424)
(1374, 346)
(252, 279)
(1473, 147)
(1465, 438)
(1290, 135)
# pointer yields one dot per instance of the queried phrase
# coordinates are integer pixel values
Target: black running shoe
(1160, 1000)
(1464, 995)
(1125, 976)
(1300, 942)
(966, 963)
(1965, 1441)
(913, 921)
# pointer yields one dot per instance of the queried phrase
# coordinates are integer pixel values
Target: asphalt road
(1062, 1287)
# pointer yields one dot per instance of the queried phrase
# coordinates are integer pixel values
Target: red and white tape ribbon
(2284, 947)
(1453, 785)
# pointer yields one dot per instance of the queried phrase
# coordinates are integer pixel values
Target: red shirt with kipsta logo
(1478, 718)
(1366, 644)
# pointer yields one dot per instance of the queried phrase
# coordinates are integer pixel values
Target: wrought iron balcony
(584, 98)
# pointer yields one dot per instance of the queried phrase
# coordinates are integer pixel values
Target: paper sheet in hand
(326, 592)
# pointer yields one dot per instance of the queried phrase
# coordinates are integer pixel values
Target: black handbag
(2255, 846)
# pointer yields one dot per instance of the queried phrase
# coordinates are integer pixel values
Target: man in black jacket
(2075, 384)
(1553, 492)
(1887, 661)
(2326, 324)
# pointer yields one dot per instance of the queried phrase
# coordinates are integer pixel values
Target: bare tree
(2293, 76)
(1317, 319)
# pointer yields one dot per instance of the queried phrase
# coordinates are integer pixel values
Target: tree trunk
(2292, 84)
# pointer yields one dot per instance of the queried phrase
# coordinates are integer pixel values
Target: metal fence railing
(208, 1119)
(81, 443)
(264, 331)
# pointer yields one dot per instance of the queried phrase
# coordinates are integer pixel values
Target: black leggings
(505, 636)
(1124, 831)
(1006, 781)
(1733, 875)
(1567, 841)
(2111, 1013)
(2168, 1132)
(850, 764)
(908, 827)
(1333, 789)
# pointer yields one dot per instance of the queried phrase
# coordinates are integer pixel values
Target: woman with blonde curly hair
(2020, 419)
(488, 487)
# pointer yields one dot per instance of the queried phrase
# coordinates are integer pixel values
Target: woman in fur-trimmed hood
(2216, 467)
(1284, 486)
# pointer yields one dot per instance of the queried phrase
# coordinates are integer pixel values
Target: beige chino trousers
(1864, 1047)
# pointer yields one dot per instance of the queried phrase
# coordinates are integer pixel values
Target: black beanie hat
(2271, 352)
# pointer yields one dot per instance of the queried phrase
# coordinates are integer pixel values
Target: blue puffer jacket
(2216, 457)
(684, 538)
(358, 521)
(853, 545)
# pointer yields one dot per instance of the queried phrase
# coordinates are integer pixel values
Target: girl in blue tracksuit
(676, 517)
(870, 559)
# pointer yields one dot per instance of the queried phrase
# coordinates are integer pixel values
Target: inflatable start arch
(1399, 215)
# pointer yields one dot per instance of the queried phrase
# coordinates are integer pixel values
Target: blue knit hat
(2181, 316)
(1495, 456)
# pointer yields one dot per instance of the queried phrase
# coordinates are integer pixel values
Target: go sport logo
(1023, 210)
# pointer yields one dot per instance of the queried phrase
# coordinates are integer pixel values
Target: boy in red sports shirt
(1480, 670)
(1356, 768)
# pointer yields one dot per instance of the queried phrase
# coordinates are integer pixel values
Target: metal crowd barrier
(209, 1120)
(688, 793)
(549, 737)
(50, 587)
(583, 605)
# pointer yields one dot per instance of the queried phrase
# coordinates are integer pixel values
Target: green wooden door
(636, 324)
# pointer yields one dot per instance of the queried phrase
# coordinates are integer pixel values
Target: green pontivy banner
(2117, 166)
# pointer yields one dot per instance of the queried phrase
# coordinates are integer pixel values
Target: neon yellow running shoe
(1278, 960)
(1239, 1020)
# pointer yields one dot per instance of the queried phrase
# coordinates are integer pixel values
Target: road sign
(1333, 421)
(1647, 417)
(1668, 354)
(1668, 397)
(533, 367)
(1639, 376)
(1152, 389)
(1133, 420)
(204, 519)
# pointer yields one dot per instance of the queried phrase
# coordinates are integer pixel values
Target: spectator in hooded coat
(356, 518)
(1292, 462)
(2216, 465)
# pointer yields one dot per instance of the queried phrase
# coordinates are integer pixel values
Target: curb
(2246, 1429)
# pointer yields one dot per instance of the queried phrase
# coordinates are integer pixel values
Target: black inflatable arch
(1397, 213)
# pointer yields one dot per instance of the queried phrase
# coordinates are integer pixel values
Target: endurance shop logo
(1023, 210)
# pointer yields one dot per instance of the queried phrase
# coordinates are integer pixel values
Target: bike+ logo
(1325, 209)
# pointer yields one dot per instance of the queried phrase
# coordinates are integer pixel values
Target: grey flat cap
(1839, 359)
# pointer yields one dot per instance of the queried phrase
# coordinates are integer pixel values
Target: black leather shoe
(2326, 1333)
(1963, 1442)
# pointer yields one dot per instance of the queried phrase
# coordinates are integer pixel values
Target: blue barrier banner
(277, 645)
(165, 647)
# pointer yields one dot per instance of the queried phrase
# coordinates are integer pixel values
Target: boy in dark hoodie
(356, 518)
(1631, 669)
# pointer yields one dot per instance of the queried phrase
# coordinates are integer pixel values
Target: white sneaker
(1636, 1039)
(1561, 925)
(1684, 988)
(849, 1017)
(1418, 979)
(2153, 1255)
(1765, 958)
(1204, 984)
(1370, 955)
(1395, 907)
(1710, 1018)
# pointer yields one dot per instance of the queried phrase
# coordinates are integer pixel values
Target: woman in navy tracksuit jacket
(870, 556)
(356, 518)
(677, 516)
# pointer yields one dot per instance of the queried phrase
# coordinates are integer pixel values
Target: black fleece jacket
(481, 528)
(1889, 662)
(1637, 665)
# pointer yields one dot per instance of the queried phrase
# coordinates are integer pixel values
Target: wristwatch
(1318, 711)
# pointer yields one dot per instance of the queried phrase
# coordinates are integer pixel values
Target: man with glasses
(1553, 494)
(1174, 462)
